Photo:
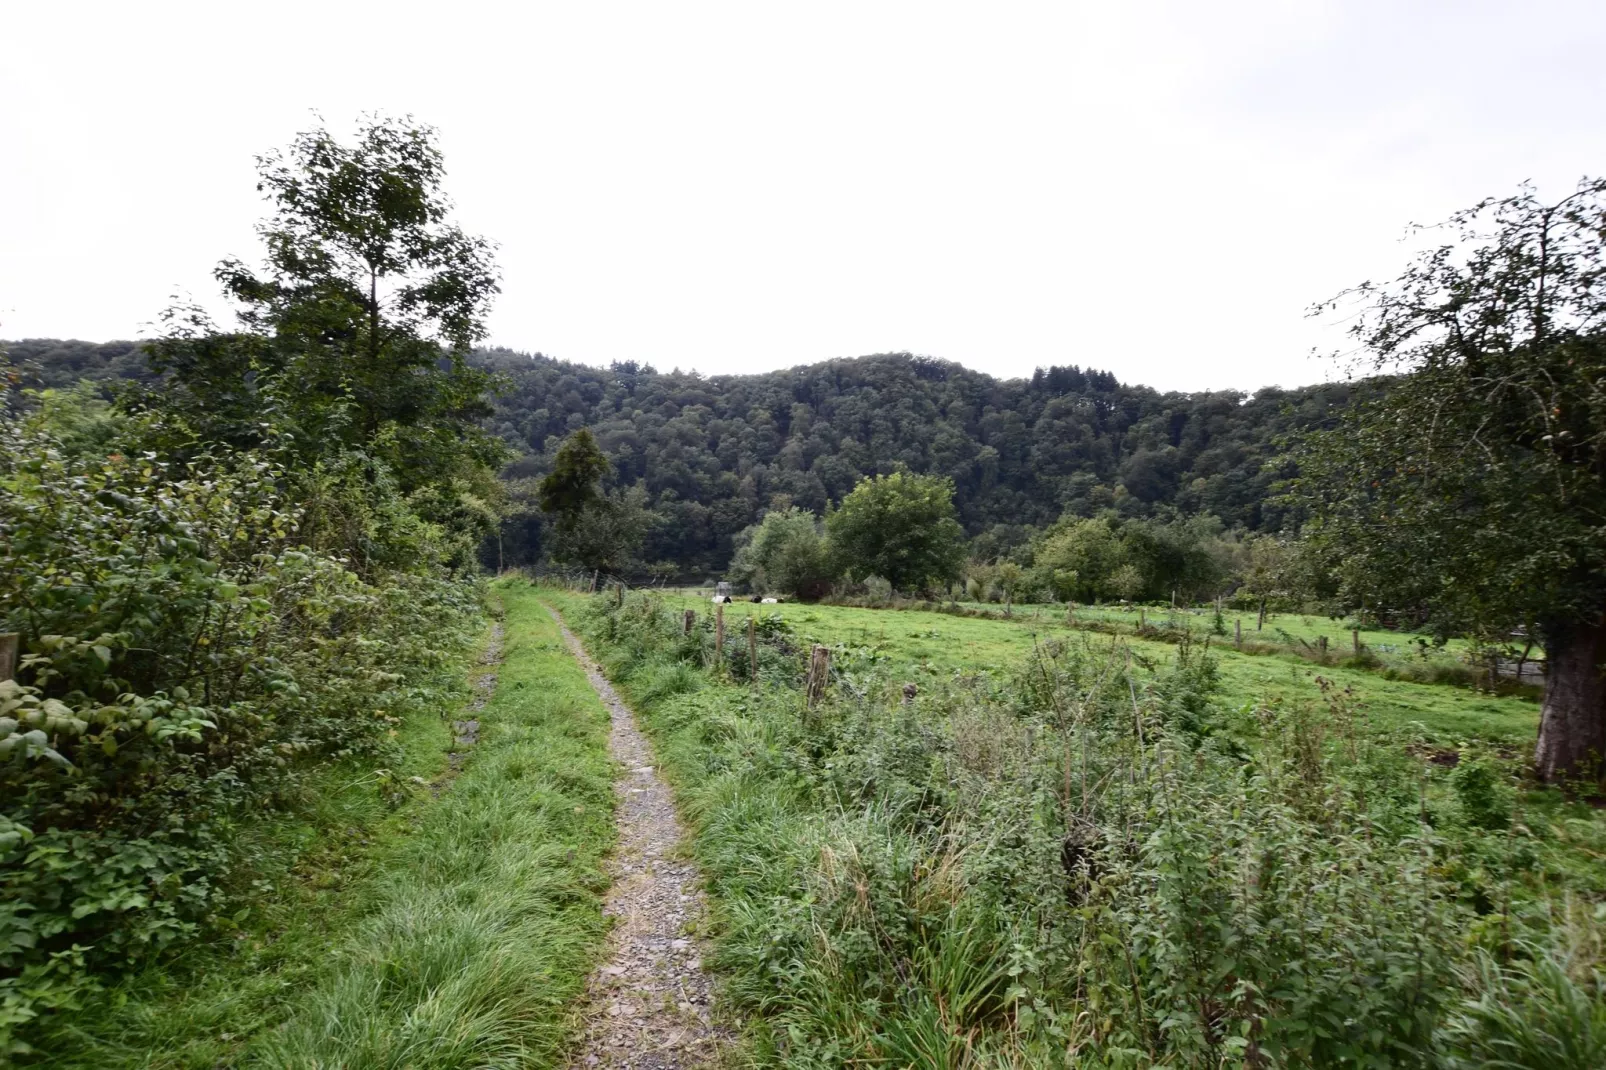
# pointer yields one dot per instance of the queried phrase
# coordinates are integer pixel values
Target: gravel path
(467, 733)
(647, 1007)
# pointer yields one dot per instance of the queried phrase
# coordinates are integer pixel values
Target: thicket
(223, 586)
(1095, 862)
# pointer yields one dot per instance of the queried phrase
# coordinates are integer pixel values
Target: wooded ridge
(713, 453)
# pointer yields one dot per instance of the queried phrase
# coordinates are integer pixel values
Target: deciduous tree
(1475, 486)
(355, 332)
(900, 527)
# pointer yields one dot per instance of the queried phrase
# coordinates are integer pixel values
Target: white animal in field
(771, 601)
(720, 599)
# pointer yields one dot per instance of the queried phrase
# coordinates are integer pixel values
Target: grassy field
(934, 643)
(438, 922)
(1054, 856)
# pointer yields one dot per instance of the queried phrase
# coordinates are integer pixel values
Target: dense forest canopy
(713, 453)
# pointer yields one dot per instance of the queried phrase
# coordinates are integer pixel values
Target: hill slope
(714, 452)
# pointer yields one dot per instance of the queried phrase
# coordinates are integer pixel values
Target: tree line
(706, 457)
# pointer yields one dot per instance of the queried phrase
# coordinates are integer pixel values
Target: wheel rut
(648, 1006)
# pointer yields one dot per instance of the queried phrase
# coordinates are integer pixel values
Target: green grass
(887, 877)
(453, 931)
(488, 918)
(922, 643)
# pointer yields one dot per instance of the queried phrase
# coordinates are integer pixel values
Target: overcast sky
(1160, 189)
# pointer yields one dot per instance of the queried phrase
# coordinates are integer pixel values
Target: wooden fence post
(1355, 640)
(752, 647)
(819, 670)
(719, 631)
(8, 655)
(687, 619)
(594, 574)
(1143, 618)
(1321, 645)
(619, 595)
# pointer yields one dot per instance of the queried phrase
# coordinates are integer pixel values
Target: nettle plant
(183, 655)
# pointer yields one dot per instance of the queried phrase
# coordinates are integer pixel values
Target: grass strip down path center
(486, 923)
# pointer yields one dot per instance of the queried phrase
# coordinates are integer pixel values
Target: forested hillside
(712, 453)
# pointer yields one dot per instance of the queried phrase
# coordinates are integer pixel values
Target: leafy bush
(785, 553)
(186, 657)
(1485, 798)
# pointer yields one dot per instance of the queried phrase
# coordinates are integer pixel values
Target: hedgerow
(189, 655)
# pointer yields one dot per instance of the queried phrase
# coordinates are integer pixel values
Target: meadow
(923, 644)
(1067, 848)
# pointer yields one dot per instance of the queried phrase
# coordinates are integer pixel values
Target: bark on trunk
(1572, 721)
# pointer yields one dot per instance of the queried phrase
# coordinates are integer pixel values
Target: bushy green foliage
(1090, 560)
(785, 553)
(900, 527)
(226, 583)
(1087, 863)
(185, 656)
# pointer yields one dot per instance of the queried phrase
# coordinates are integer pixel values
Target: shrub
(185, 658)
(786, 554)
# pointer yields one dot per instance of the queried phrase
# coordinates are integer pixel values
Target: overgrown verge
(234, 583)
(1096, 865)
(307, 875)
(187, 660)
(487, 919)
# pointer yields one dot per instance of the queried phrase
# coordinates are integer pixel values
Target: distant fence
(586, 579)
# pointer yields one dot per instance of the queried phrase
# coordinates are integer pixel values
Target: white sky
(1159, 189)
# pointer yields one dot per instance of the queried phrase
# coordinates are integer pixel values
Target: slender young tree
(356, 330)
(1474, 488)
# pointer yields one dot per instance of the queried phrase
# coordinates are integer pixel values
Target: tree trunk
(1572, 721)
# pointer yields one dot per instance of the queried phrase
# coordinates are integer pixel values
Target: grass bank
(435, 923)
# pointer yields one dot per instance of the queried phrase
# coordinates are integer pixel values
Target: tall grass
(1084, 865)
(485, 924)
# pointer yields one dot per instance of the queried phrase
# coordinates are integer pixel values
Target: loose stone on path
(647, 1007)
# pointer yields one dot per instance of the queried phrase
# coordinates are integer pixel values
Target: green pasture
(927, 642)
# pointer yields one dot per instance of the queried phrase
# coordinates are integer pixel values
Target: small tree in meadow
(786, 553)
(901, 527)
